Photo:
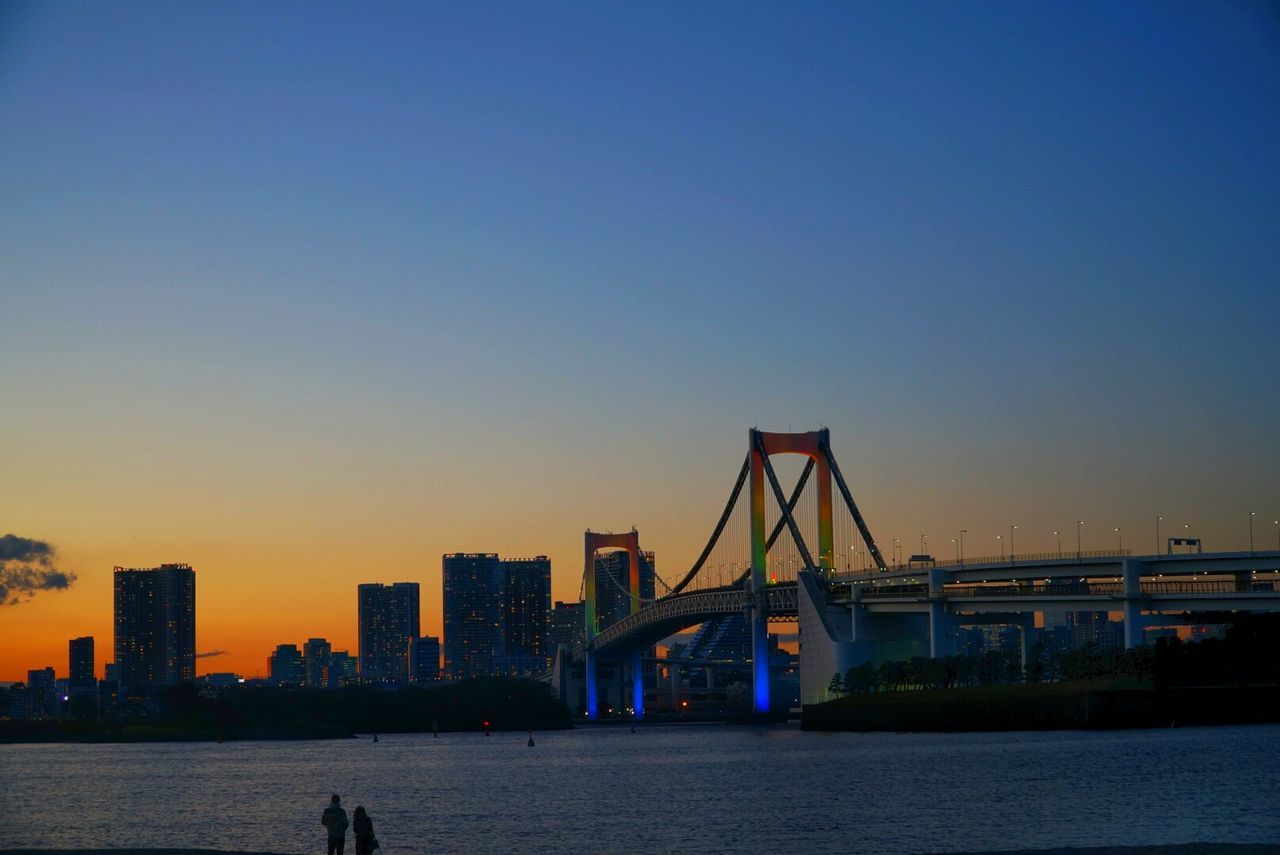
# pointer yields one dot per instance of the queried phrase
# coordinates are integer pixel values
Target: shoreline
(1152, 849)
(1046, 706)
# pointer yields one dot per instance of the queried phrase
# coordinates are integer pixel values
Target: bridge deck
(1213, 582)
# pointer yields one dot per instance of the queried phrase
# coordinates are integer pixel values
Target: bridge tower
(593, 542)
(813, 444)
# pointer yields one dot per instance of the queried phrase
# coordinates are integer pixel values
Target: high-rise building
(388, 618)
(80, 673)
(155, 625)
(567, 622)
(613, 585)
(424, 659)
(316, 654)
(527, 606)
(474, 592)
(284, 666)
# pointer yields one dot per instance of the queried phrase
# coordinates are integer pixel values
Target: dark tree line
(1248, 655)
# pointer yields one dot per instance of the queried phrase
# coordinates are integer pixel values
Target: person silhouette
(362, 825)
(334, 819)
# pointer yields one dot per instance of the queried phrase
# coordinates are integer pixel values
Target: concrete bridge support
(592, 693)
(826, 647)
(637, 685)
(942, 624)
(1134, 624)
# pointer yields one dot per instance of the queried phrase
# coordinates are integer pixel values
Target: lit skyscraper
(155, 625)
(388, 618)
(527, 606)
(473, 613)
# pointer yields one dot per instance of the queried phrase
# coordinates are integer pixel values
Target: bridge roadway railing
(689, 609)
(998, 560)
(1068, 589)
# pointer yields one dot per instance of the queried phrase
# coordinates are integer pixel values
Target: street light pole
(1250, 532)
(1158, 518)
(1078, 550)
(924, 544)
(1119, 540)
(1000, 540)
(956, 547)
(1011, 528)
(962, 533)
(1058, 534)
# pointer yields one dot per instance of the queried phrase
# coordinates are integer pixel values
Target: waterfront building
(315, 662)
(284, 666)
(155, 625)
(388, 618)
(527, 607)
(567, 622)
(424, 659)
(473, 613)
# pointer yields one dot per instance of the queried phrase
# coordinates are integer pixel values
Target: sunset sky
(309, 294)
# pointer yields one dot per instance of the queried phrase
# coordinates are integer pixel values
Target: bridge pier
(593, 698)
(942, 624)
(637, 685)
(757, 618)
(1134, 625)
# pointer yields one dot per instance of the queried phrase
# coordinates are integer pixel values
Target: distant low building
(42, 690)
(80, 681)
(424, 659)
(316, 654)
(343, 670)
(284, 666)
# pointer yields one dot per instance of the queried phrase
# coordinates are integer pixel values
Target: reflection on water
(694, 789)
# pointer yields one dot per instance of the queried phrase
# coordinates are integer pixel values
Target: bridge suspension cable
(715, 535)
(853, 508)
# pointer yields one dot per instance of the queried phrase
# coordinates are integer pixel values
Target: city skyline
(303, 312)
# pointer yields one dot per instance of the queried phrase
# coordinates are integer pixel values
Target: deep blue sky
(394, 280)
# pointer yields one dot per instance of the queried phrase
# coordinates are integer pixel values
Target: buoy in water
(531, 739)
(375, 737)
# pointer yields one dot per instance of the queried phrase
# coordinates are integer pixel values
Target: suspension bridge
(851, 606)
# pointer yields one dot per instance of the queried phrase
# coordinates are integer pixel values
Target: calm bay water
(662, 789)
